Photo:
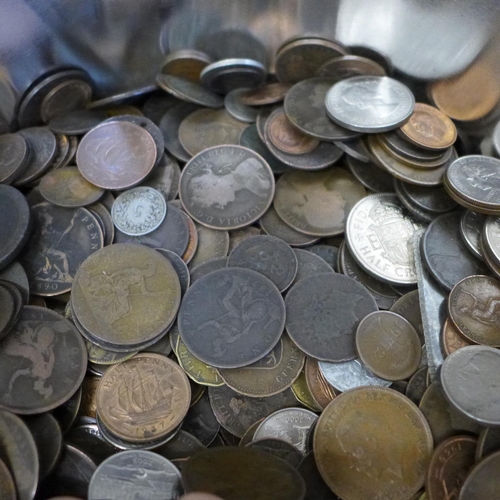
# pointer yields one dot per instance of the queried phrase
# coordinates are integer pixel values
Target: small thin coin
(328, 253)
(186, 63)
(431, 199)
(70, 95)
(388, 345)
(182, 446)
(14, 157)
(235, 107)
(472, 306)
(271, 93)
(189, 91)
(116, 155)
(370, 103)
(66, 187)
(267, 255)
(226, 187)
(317, 203)
(482, 482)
(340, 68)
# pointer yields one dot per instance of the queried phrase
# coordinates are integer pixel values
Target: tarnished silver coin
(231, 318)
(237, 109)
(370, 103)
(380, 237)
(189, 91)
(471, 229)
(136, 474)
(290, 424)
(139, 211)
(226, 187)
(471, 381)
(267, 255)
(77, 122)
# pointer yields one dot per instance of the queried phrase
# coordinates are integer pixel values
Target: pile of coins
(236, 284)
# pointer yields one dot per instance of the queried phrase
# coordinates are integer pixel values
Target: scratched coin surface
(116, 155)
(43, 362)
(371, 442)
(271, 375)
(323, 312)
(267, 255)
(226, 187)
(62, 239)
(388, 345)
(144, 398)
(317, 203)
(136, 474)
(126, 294)
(231, 318)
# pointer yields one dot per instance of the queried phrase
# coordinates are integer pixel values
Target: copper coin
(321, 391)
(69, 95)
(287, 137)
(66, 187)
(116, 155)
(186, 63)
(340, 68)
(144, 398)
(372, 441)
(388, 345)
(268, 94)
(450, 465)
(212, 244)
(452, 338)
(483, 481)
(472, 305)
(429, 128)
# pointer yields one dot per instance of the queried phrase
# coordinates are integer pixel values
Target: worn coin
(321, 390)
(482, 481)
(236, 236)
(408, 306)
(235, 107)
(182, 446)
(207, 267)
(388, 345)
(329, 253)
(309, 264)
(313, 302)
(7, 486)
(77, 122)
(452, 340)
(395, 144)
(370, 103)
(207, 128)
(446, 255)
(68, 96)
(14, 157)
(305, 108)
(340, 68)
(450, 465)
(189, 91)
(88, 405)
(226, 187)
(165, 177)
(431, 199)
(417, 385)
(271, 93)
(317, 203)
(200, 496)
(186, 63)
(491, 238)
(372, 429)
(229, 333)
(200, 421)
(370, 176)
(487, 443)
(135, 474)
(157, 398)
(180, 268)
(15, 274)
(126, 295)
(267, 255)
(355, 148)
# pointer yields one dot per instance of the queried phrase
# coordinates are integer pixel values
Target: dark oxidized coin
(279, 448)
(483, 481)
(446, 255)
(408, 306)
(268, 256)
(323, 312)
(372, 177)
(182, 445)
(7, 486)
(432, 199)
(189, 91)
(15, 274)
(316, 488)
(77, 122)
(55, 360)
(228, 333)
(165, 177)
(180, 268)
(487, 443)
(309, 264)
(14, 157)
(63, 238)
(200, 421)
(328, 253)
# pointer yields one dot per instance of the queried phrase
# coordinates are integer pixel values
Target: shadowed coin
(182, 445)
(69, 95)
(180, 268)
(200, 421)
(309, 264)
(7, 486)
(235, 107)
(279, 448)
(483, 481)
(267, 94)
(77, 122)
(165, 177)
(14, 157)
(186, 63)
(487, 443)
(316, 488)
(189, 91)
(372, 177)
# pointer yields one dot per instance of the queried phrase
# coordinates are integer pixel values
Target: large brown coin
(372, 442)
(116, 155)
(317, 203)
(43, 362)
(144, 398)
(429, 128)
(483, 481)
(206, 128)
(388, 345)
(449, 467)
(125, 295)
(473, 305)
(452, 339)
(272, 374)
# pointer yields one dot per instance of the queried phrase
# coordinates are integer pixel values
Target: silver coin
(471, 381)
(430, 199)
(471, 228)
(380, 237)
(226, 187)
(189, 91)
(370, 103)
(355, 148)
(290, 424)
(136, 474)
(349, 375)
(309, 264)
(237, 109)
(139, 211)
(180, 268)
(416, 212)
(491, 238)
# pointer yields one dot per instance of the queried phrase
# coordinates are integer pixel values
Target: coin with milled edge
(340, 68)
(471, 229)
(267, 94)
(189, 91)
(370, 103)
(228, 334)
(14, 157)
(69, 95)
(226, 187)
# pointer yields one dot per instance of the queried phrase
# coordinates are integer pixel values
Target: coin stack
(213, 285)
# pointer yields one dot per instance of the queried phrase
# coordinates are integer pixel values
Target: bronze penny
(317, 203)
(472, 305)
(452, 339)
(429, 128)
(144, 398)
(388, 345)
(483, 481)
(212, 244)
(450, 465)
(88, 405)
(371, 442)
(116, 155)
(207, 267)
(126, 295)
(268, 94)
(186, 63)
(192, 247)
(321, 391)
(287, 137)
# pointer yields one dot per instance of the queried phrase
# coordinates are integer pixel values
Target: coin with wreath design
(139, 211)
